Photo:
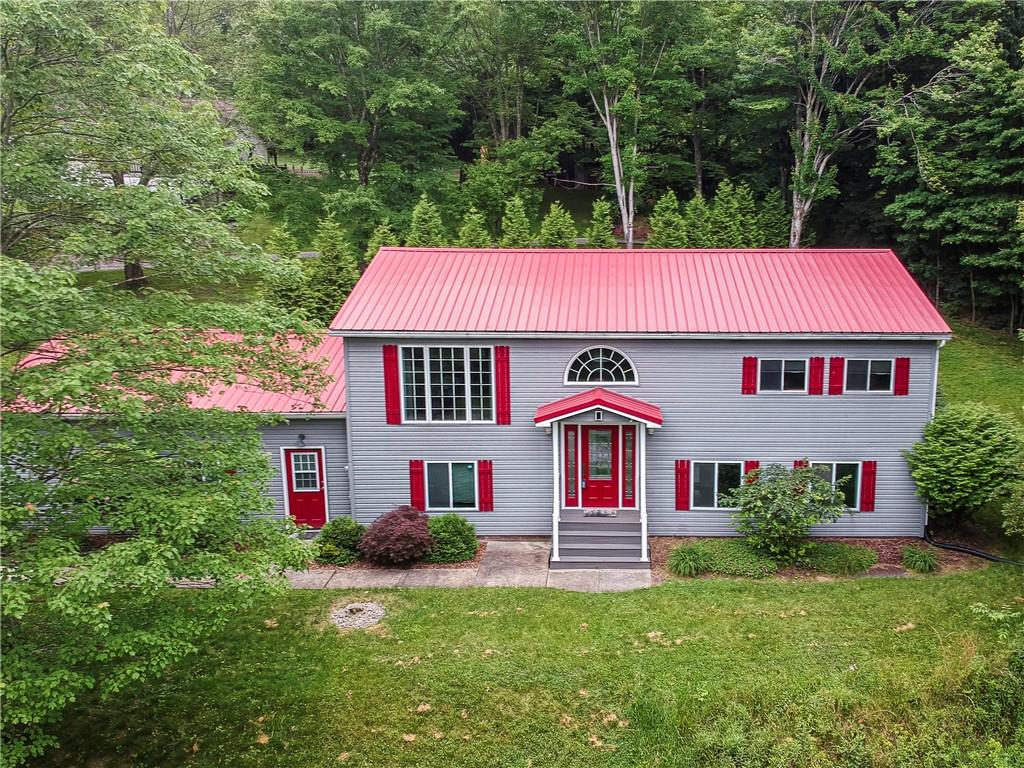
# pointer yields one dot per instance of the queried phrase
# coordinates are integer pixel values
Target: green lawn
(983, 365)
(709, 673)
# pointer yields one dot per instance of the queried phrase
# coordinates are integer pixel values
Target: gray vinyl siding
(697, 385)
(328, 434)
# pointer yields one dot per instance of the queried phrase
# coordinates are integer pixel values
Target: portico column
(642, 488)
(556, 497)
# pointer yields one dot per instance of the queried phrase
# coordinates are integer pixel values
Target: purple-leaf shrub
(398, 537)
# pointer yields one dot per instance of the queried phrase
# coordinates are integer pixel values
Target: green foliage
(697, 223)
(557, 229)
(516, 230)
(332, 275)
(689, 560)
(601, 232)
(473, 233)
(426, 229)
(733, 218)
(280, 243)
(838, 559)
(920, 559)
(343, 532)
(452, 539)
(382, 235)
(982, 365)
(285, 286)
(773, 221)
(1013, 508)
(331, 554)
(734, 557)
(776, 511)
(668, 229)
(969, 455)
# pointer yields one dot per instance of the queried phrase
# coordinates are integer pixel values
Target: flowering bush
(400, 536)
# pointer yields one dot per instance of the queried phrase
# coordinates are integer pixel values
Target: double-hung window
(448, 383)
(869, 376)
(845, 477)
(305, 471)
(451, 485)
(712, 479)
(782, 375)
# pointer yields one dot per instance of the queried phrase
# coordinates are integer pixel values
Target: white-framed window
(782, 375)
(600, 365)
(709, 480)
(305, 471)
(447, 384)
(451, 485)
(844, 475)
(869, 376)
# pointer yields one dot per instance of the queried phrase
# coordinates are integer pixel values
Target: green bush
(339, 541)
(334, 555)
(689, 560)
(839, 559)
(776, 511)
(971, 455)
(453, 539)
(920, 559)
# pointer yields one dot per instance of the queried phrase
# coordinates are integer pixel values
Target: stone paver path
(505, 564)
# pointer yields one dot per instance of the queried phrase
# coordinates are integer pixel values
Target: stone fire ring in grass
(357, 615)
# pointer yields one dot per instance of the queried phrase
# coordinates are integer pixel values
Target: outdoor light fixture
(302, 441)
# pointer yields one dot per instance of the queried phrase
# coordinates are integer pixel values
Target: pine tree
(333, 274)
(426, 229)
(724, 227)
(697, 223)
(668, 230)
(281, 243)
(473, 233)
(601, 233)
(558, 230)
(516, 231)
(382, 235)
(286, 284)
(773, 221)
(745, 222)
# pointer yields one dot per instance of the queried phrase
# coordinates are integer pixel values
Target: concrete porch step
(602, 551)
(622, 538)
(568, 563)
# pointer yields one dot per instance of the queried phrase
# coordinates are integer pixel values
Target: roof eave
(497, 333)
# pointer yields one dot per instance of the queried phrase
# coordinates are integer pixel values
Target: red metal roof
(581, 291)
(599, 397)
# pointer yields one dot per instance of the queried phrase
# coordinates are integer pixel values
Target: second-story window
(447, 383)
(783, 376)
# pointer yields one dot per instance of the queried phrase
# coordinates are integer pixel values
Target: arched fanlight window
(600, 365)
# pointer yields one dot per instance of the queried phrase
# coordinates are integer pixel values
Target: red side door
(304, 486)
(599, 465)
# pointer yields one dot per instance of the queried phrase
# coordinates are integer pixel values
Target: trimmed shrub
(334, 555)
(688, 560)
(343, 533)
(920, 559)
(453, 539)
(839, 559)
(397, 537)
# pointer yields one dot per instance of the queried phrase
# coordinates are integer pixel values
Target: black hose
(970, 551)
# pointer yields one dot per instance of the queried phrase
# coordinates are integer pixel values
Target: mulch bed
(366, 565)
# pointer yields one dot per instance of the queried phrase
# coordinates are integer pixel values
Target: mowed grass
(709, 673)
(983, 365)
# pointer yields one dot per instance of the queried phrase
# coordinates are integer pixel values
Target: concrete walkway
(505, 564)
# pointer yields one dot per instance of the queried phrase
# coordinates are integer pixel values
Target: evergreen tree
(601, 233)
(516, 231)
(382, 235)
(333, 274)
(724, 225)
(697, 223)
(473, 233)
(558, 230)
(668, 230)
(281, 243)
(773, 221)
(426, 229)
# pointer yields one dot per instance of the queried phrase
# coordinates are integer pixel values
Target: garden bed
(419, 565)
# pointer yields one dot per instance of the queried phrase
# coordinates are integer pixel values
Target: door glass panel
(627, 449)
(305, 476)
(704, 484)
(437, 487)
(599, 447)
(463, 486)
(570, 447)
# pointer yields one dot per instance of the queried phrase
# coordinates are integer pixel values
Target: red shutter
(682, 484)
(868, 471)
(485, 484)
(749, 385)
(502, 393)
(816, 376)
(800, 463)
(750, 466)
(392, 392)
(836, 374)
(901, 381)
(417, 487)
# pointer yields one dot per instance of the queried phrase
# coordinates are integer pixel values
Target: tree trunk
(134, 277)
(801, 207)
(698, 164)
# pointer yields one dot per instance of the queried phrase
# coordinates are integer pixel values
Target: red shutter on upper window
(800, 463)
(485, 484)
(750, 466)
(749, 384)
(836, 373)
(682, 484)
(868, 471)
(502, 389)
(392, 391)
(901, 379)
(816, 376)
(417, 485)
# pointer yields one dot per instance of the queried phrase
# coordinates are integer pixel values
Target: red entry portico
(305, 490)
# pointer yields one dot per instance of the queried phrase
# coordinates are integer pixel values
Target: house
(602, 396)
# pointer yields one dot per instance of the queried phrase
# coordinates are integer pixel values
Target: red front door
(599, 465)
(304, 485)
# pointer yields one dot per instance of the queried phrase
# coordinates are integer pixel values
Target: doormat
(600, 513)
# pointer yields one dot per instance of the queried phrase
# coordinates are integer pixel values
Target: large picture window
(845, 477)
(451, 485)
(869, 376)
(711, 479)
(448, 383)
(783, 376)
(600, 365)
